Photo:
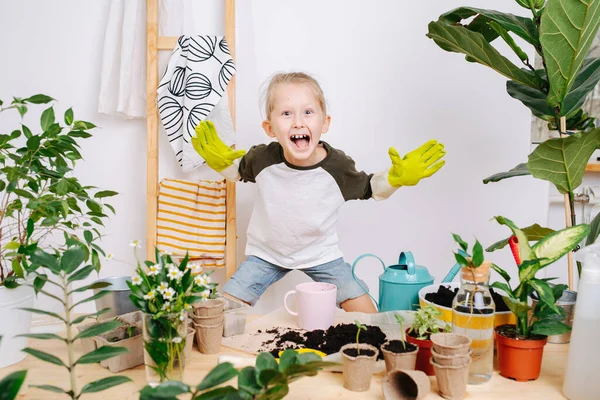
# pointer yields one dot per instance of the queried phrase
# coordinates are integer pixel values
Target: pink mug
(315, 303)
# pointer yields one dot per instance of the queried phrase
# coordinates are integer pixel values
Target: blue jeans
(255, 275)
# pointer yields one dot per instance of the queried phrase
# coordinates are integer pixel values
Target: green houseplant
(40, 198)
(67, 266)
(427, 322)
(358, 362)
(529, 335)
(561, 33)
(397, 353)
(266, 380)
(165, 292)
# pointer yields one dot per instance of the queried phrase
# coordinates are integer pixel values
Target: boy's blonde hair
(299, 78)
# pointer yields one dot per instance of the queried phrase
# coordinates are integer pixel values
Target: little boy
(302, 182)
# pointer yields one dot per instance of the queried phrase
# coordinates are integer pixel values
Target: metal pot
(118, 300)
(567, 301)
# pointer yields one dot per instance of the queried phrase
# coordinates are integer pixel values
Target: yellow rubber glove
(416, 165)
(217, 154)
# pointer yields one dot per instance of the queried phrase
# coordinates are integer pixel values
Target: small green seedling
(360, 327)
(400, 320)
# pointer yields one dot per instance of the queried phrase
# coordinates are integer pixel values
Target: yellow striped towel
(191, 217)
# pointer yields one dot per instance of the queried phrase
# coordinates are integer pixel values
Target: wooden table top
(326, 385)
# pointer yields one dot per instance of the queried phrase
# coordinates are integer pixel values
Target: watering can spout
(455, 268)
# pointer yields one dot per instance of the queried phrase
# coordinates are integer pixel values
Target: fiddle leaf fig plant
(267, 380)
(560, 32)
(40, 195)
(547, 317)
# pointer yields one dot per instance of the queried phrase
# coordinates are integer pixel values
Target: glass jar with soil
(473, 315)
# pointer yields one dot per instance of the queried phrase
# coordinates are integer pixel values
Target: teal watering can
(399, 284)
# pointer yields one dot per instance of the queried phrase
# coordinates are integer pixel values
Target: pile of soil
(329, 341)
(445, 295)
(396, 346)
(363, 352)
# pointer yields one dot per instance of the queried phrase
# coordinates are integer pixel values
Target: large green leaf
(585, 82)
(520, 309)
(105, 383)
(461, 40)
(544, 292)
(44, 356)
(519, 170)
(71, 259)
(532, 98)
(562, 161)
(559, 243)
(525, 251)
(522, 27)
(533, 232)
(218, 375)
(10, 385)
(98, 329)
(567, 29)
(549, 327)
(101, 354)
(594, 230)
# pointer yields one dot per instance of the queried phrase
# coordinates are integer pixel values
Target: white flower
(174, 273)
(170, 265)
(196, 268)
(136, 244)
(168, 294)
(150, 295)
(166, 306)
(154, 269)
(182, 317)
(165, 252)
(136, 280)
(186, 306)
(205, 294)
(177, 340)
(109, 257)
(162, 287)
(201, 280)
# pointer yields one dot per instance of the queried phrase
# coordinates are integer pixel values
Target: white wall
(385, 82)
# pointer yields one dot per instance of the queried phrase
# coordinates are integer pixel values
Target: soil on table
(329, 341)
(396, 346)
(445, 295)
(363, 352)
(510, 331)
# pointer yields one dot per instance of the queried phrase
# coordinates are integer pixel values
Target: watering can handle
(408, 260)
(358, 280)
(454, 270)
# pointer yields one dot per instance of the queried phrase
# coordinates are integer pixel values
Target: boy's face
(297, 122)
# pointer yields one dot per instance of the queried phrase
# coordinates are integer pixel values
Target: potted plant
(520, 346)
(41, 198)
(67, 266)
(165, 291)
(358, 361)
(554, 92)
(426, 323)
(397, 353)
(266, 380)
(128, 336)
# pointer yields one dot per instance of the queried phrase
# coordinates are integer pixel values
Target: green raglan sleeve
(258, 158)
(354, 185)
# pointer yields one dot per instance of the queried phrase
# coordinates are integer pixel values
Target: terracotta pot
(423, 355)
(451, 344)
(452, 380)
(406, 360)
(519, 359)
(209, 308)
(405, 385)
(209, 335)
(358, 370)
(456, 361)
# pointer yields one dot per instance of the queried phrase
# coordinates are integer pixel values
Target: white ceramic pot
(14, 322)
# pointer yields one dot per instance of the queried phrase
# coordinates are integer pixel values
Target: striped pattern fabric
(191, 217)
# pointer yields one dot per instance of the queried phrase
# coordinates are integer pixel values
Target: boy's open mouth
(301, 141)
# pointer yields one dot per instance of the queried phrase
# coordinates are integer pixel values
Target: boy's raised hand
(217, 154)
(416, 165)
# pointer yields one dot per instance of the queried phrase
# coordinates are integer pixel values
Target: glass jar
(473, 315)
(164, 344)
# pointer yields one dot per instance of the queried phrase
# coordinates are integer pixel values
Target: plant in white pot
(39, 198)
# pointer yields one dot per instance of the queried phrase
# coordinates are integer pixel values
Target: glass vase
(473, 315)
(164, 344)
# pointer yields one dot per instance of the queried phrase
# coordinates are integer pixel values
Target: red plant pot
(519, 359)
(423, 355)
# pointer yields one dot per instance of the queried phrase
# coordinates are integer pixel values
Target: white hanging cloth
(123, 71)
(193, 89)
